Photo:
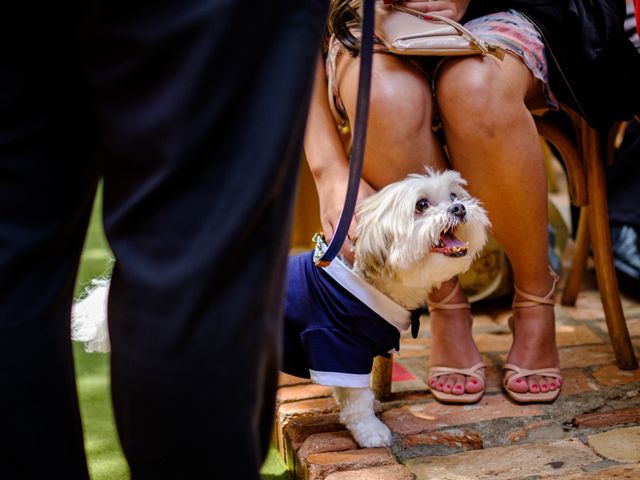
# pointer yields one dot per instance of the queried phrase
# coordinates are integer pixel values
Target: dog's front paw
(370, 433)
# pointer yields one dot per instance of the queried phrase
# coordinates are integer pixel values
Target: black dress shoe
(625, 242)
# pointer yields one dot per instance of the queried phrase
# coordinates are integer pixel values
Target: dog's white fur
(392, 253)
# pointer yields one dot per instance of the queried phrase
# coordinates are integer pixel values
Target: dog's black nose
(458, 210)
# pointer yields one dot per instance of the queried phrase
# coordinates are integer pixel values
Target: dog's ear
(384, 220)
(378, 225)
(372, 251)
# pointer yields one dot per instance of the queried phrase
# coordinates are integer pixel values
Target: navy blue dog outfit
(336, 323)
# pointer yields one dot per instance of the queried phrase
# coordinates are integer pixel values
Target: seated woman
(483, 106)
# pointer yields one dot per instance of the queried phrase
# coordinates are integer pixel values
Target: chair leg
(601, 245)
(579, 262)
(381, 377)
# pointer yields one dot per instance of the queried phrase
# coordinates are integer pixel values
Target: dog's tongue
(451, 245)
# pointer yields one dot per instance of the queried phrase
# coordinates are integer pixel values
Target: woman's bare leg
(494, 143)
(399, 136)
(400, 141)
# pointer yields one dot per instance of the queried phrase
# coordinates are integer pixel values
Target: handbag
(405, 31)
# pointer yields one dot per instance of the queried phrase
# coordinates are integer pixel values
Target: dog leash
(415, 319)
(356, 156)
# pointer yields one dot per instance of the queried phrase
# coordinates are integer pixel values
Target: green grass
(105, 458)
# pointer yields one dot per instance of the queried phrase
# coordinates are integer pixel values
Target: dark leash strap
(356, 156)
(415, 320)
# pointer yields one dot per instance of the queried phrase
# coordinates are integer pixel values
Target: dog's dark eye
(422, 205)
(453, 197)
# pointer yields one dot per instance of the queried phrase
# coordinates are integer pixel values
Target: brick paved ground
(591, 432)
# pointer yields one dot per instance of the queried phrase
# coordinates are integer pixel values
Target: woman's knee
(401, 99)
(477, 91)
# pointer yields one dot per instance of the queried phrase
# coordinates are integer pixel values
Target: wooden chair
(582, 152)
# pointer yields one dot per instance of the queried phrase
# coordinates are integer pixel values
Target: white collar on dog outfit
(377, 301)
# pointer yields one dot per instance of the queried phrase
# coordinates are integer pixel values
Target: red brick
(302, 392)
(292, 434)
(588, 306)
(410, 386)
(387, 472)
(611, 375)
(315, 410)
(285, 379)
(458, 441)
(326, 442)
(633, 325)
(578, 357)
(568, 335)
(493, 379)
(399, 399)
(298, 429)
(575, 381)
(307, 407)
(618, 416)
(415, 419)
(320, 465)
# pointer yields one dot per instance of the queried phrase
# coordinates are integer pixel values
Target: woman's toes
(458, 388)
(440, 381)
(474, 385)
(534, 382)
(433, 382)
(518, 385)
(449, 384)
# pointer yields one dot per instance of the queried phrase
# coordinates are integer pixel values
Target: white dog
(412, 236)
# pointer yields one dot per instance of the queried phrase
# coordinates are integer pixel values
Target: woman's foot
(453, 348)
(533, 349)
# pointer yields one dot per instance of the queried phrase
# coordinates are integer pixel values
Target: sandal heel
(513, 372)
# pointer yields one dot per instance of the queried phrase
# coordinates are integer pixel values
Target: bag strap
(356, 156)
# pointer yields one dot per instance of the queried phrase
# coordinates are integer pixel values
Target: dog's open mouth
(450, 245)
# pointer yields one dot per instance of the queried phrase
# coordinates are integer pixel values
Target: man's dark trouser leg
(199, 181)
(48, 177)
(199, 175)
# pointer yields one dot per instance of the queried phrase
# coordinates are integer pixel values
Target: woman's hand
(453, 9)
(331, 195)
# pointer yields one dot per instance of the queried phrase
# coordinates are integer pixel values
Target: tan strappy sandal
(476, 371)
(513, 372)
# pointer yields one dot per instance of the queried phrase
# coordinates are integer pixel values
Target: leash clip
(321, 247)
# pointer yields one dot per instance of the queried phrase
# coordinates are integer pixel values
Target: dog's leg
(357, 414)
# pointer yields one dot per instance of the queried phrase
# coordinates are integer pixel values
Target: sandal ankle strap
(444, 303)
(535, 300)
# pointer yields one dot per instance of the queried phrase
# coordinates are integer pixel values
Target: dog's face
(424, 229)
